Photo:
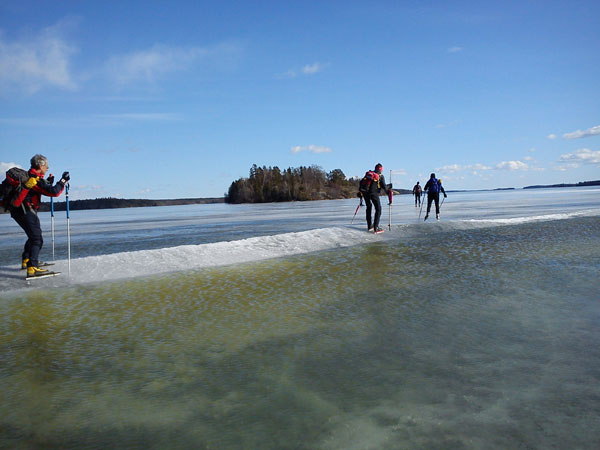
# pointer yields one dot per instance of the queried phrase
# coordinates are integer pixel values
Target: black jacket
(376, 187)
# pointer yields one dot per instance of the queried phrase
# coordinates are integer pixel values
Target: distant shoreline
(580, 184)
(114, 203)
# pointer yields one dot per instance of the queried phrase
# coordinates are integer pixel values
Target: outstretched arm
(46, 188)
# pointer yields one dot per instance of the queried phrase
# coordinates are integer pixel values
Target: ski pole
(357, 208)
(422, 200)
(68, 230)
(390, 195)
(52, 225)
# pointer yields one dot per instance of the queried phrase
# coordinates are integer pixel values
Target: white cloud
(582, 156)
(457, 168)
(512, 165)
(4, 166)
(309, 69)
(552, 136)
(594, 131)
(455, 49)
(37, 62)
(311, 148)
(478, 167)
(450, 168)
(312, 68)
(151, 64)
(565, 167)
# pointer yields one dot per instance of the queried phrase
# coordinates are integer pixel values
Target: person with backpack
(22, 196)
(370, 187)
(433, 187)
(417, 191)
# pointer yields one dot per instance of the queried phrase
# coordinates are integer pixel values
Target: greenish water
(481, 338)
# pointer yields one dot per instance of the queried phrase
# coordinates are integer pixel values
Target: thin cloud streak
(457, 168)
(156, 117)
(151, 64)
(593, 131)
(308, 70)
(310, 148)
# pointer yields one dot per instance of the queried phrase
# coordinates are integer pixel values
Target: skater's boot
(33, 272)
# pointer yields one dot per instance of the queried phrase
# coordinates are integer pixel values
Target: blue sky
(148, 99)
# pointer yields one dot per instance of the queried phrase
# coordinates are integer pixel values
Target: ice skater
(417, 192)
(433, 187)
(370, 188)
(24, 206)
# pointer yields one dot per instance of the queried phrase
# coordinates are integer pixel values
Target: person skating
(433, 187)
(417, 191)
(24, 209)
(371, 187)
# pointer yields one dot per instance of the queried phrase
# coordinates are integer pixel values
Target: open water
(284, 326)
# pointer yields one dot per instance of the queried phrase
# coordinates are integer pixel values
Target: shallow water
(483, 337)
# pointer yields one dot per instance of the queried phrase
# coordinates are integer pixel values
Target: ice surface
(136, 242)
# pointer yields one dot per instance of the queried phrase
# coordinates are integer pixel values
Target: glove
(31, 182)
(445, 196)
(65, 178)
(50, 179)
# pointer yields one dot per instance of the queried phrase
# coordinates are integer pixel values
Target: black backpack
(365, 184)
(12, 186)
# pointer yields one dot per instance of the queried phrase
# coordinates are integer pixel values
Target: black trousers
(373, 200)
(418, 199)
(433, 196)
(30, 222)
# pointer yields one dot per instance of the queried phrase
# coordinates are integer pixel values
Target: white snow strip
(518, 220)
(141, 263)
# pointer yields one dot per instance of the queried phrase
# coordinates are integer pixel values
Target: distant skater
(370, 188)
(433, 187)
(417, 192)
(24, 206)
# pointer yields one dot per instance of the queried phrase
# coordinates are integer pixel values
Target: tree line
(271, 184)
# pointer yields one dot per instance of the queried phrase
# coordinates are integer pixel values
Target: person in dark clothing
(433, 187)
(417, 191)
(371, 197)
(24, 211)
